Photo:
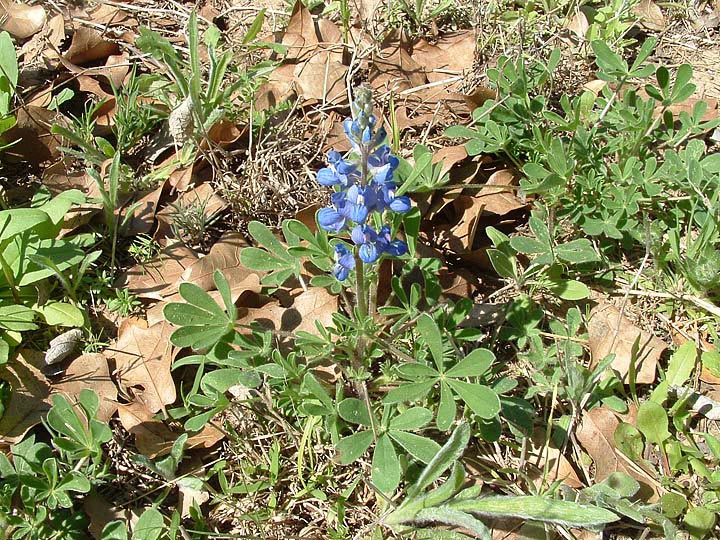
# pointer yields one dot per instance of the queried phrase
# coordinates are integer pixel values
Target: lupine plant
(408, 372)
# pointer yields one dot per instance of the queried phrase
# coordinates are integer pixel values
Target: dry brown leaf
(101, 512)
(223, 133)
(498, 200)
(117, 67)
(711, 113)
(224, 256)
(393, 68)
(278, 88)
(29, 396)
(449, 156)
(158, 278)
(153, 438)
(88, 45)
(578, 24)
(611, 332)
(596, 433)
(189, 497)
(315, 304)
(22, 20)
(451, 53)
(58, 178)
(90, 371)
(322, 78)
(45, 43)
(300, 36)
(651, 16)
(143, 357)
(542, 457)
(35, 144)
(143, 217)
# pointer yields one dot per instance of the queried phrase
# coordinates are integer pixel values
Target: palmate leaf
(352, 447)
(202, 322)
(273, 257)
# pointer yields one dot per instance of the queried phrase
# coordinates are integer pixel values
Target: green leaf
(315, 388)
(606, 59)
(220, 380)
(354, 411)
(681, 364)
(417, 371)
(449, 516)
(421, 448)
(61, 314)
(223, 287)
(628, 440)
(699, 521)
(652, 421)
(203, 323)
(115, 530)
(17, 318)
(150, 526)
(568, 289)
(711, 362)
(412, 419)
(430, 332)
(527, 245)
(386, 470)
(443, 459)
(19, 220)
(254, 28)
(409, 392)
(503, 264)
(446, 411)
(569, 514)
(475, 364)
(352, 447)
(481, 399)
(577, 251)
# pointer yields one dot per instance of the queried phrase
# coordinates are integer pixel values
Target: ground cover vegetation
(364, 269)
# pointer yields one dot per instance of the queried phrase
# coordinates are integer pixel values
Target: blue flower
(331, 220)
(366, 237)
(344, 262)
(394, 248)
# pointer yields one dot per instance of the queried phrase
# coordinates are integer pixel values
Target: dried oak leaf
(89, 45)
(223, 256)
(322, 78)
(153, 438)
(542, 457)
(611, 332)
(90, 371)
(143, 358)
(20, 19)
(29, 396)
(315, 304)
(300, 35)
(158, 278)
(451, 53)
(596, 434)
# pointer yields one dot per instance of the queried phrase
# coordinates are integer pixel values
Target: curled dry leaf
(89, 45)
(46, 43)
(452, 53)
(153, 438)
(90, 371)
(29, 396)
(20, 19)
(612, 332)
(143, 357)
(62, 346)
(596, 434)
(143, 217)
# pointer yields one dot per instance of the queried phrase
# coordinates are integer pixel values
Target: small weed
(124, 303)
(143, 248)
(191, 222)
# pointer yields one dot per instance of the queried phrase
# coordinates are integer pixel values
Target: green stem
(360, 291)
(10, 279)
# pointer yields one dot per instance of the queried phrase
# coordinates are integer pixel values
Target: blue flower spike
(365, 190)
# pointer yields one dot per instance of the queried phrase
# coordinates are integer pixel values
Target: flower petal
(331, 220)
(368, 253)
